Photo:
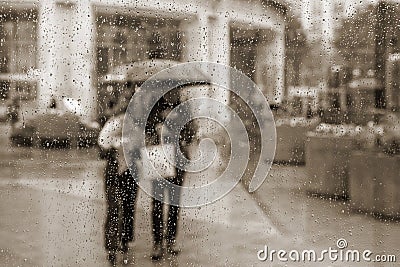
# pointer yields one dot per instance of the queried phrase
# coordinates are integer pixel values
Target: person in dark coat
(120, 187)
(156, 119)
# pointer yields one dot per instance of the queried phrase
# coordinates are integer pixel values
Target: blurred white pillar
(279, 53)
(219, 52)
(83, 57)
(196, 39)
(327, 35)
(270, 65)
(197, 49)
(207, 39)
(219, 39)
(47, 53)
(66, 54)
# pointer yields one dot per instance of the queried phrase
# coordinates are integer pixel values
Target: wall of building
(321, 20)
(67, 36)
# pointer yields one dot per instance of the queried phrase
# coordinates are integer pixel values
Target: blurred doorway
(244, 50)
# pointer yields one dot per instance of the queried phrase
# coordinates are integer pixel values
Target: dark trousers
(160, 189)
(121, 194)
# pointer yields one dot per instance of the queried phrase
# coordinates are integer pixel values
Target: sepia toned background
(330, 71)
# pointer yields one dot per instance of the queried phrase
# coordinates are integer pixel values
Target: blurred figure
(13, 110)
(120, 186)
(153, 129)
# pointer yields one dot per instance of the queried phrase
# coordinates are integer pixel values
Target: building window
(17, 43)
(25, 90)
(125, 39)
(18, 50)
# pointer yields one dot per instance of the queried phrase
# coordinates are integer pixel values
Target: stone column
(66, 54)
(279, 52)
(196, 39)
(197, 49)
(47, 56)
(83, 56)
(270, 65)
(219, 52)
(327, 35)
(219, 39)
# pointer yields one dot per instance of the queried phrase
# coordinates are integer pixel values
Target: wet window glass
(200, 133)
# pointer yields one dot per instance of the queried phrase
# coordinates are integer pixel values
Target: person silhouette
(120, 187)
(160, 188)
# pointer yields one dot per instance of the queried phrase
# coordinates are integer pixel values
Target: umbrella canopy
(143, 70)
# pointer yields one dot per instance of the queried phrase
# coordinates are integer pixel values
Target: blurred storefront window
(125, 39)
(18, 53)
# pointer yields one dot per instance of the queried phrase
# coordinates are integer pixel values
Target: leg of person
(173, 213)
(129, 189)
(111, 224)
(157, 222)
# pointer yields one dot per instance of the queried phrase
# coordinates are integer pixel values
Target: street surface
(315, 222)
(53, 209)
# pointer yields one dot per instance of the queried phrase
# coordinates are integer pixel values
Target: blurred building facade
(61, 48)
(321, 20)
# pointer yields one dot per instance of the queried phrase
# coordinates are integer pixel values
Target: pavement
(314, 222)
(53, 209)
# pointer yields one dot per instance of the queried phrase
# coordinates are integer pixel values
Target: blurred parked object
(374, 183)
(293, 119)
(291, 134)
(60, 126)
(336, 154)
(327, 159)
